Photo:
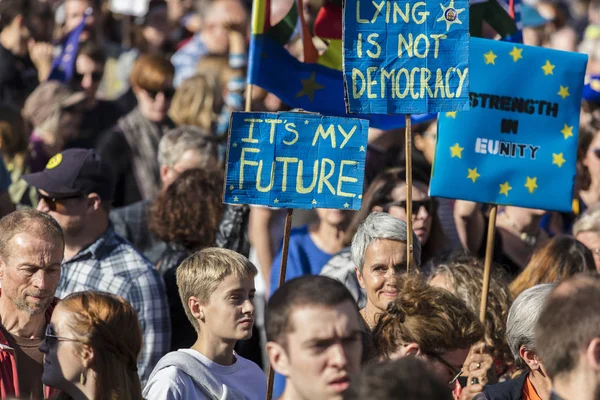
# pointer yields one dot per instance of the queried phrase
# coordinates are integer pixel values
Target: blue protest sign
(296, 160)
(406, 57)
(518, 143)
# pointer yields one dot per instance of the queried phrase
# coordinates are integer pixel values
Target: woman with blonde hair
(197, 102)
(563, 257)
(91, 348)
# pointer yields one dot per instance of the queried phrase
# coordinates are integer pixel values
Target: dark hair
(568, 323)
(433, 318)
(313, 290)
(13, 133)
(408, 377)
(30, 221)
(559, 259)
(379, 193)
(188, 212)
(10, 9)
(94, 51)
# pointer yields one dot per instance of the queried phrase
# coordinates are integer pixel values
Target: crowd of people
(123, 275)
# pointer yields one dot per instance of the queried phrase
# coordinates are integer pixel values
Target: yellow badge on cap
(54, 161)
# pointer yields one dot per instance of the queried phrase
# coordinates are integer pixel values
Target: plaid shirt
(111, 264)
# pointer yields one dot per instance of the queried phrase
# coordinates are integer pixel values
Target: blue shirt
(304, 258)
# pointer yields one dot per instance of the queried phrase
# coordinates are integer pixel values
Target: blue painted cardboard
(406, 57)
(518, 143)
(296, 160)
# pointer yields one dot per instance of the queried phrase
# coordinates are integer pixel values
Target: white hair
(522, 317)
(377, 226)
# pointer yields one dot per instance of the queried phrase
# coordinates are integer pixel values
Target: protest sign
(518, 143)
(406, 57)
(296, 160)
(136, 8)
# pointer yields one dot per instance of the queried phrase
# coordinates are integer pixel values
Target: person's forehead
(385, 249)
(311, 322)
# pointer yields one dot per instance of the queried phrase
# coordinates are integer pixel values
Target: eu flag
(518, 143)
(315, 84)
(63, 66)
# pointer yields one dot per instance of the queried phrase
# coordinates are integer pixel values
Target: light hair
(589, 221)
(195, 103)
(522, 317)
(110, 326)
(200, 274)
(378, 226)
(561, 258)
(177, 141)
(31, 221)
(465, 275)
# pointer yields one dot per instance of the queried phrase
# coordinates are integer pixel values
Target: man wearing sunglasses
(76, 189)
(31, 251)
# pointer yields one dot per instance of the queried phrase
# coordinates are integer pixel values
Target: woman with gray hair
(587, 231)
(533, 382)
(379, 255)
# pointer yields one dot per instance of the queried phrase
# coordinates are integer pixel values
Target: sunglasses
(597, 152)
(430, 205)
(96, 77)
(168, 93)
(456, 373)
(52, 202)
(52, 339)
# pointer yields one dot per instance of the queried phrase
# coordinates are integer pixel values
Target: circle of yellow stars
(567, 131)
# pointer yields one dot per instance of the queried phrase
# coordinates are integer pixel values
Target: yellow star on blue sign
(450, 15)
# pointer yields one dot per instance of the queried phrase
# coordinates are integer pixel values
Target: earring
(82, 378)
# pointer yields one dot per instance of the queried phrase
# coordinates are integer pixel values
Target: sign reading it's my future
(296, 160)
(406, 56)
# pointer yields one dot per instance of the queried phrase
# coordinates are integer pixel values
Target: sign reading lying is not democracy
(296, 160)
(518, 143)
(405, 56)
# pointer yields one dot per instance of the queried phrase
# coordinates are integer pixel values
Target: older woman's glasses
(430, 205)
(52, 339)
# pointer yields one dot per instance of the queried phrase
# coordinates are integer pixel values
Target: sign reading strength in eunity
(406, 56)
(296, 160)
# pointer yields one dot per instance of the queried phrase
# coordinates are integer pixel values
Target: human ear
(592, 354)
(94, 201)
(359, 277)
(87, 356)
(377, 209)
(530, 358)
(278, 358)
(418, 142)
(196, 308)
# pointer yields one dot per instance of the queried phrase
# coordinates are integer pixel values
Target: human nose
(248, 307)
(40, 280)
(43, 206)
(421, 213)
(86, 82)
(338, 356)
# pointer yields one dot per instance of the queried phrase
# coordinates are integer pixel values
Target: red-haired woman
(91, 348)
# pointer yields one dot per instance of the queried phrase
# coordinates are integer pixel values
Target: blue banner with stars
(518, 143)
(296, 160)
(405, 56)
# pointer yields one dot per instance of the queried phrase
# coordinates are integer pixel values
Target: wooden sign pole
(489, 255)
(408, 153)
(282, 272)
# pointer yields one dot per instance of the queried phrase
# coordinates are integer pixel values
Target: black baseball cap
(72, 172)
